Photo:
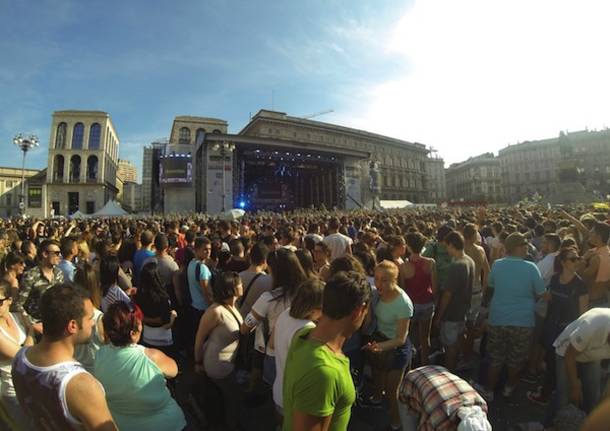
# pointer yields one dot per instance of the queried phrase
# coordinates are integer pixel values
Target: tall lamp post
(224, 148)
(25, 144)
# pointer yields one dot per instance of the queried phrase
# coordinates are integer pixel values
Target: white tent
(78, 216)
(234, 214)
(111, 209)
(395, 204)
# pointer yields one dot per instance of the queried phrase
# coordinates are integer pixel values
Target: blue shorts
(402, 356)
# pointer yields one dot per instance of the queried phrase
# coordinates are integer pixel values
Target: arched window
(60, 136)
(185, 136)
(58, 168)
(77, 136)
(216, 131)
(94, 136)
(92, 168)
(74, 169)
(199, 136)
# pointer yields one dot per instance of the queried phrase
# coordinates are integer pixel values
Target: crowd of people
(317, 311)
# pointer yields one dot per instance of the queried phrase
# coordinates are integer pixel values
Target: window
(75, 169)
(184, 136)
(90, 207)
(218, 132)
(199, 136)
(60, 136)
(73, 201)
(9, 200)
(77, 136)
(94, 136)
(58, 168)
(35, 197)
(92, 168)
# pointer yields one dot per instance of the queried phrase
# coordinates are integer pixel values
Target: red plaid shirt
(435, 395)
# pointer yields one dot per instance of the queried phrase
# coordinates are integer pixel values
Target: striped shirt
(113, 295)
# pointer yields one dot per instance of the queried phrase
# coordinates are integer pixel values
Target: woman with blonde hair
(389, 352)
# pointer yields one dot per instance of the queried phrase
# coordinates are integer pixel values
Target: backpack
(213, 277)
(184, 287)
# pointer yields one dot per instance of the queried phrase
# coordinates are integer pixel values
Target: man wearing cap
(514, 284)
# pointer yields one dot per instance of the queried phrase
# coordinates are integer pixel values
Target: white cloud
(484, 73)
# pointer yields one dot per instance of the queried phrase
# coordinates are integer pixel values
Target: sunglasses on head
(573, 259)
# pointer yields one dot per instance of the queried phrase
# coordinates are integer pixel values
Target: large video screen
(176, 170)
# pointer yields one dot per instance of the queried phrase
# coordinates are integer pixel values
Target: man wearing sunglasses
(38, 279)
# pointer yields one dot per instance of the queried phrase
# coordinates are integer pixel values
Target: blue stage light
(242, 204)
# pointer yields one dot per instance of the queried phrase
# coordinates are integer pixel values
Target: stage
(285, 179)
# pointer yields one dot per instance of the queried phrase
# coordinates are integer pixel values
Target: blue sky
(145, 62)
(465, 77)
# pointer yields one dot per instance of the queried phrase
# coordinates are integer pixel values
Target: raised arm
(581, 227)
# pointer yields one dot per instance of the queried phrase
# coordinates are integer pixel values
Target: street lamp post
(25, 144)
(224, 148)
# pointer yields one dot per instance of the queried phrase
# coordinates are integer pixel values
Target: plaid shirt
(435, 395)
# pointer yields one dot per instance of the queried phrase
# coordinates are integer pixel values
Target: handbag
(243, 355)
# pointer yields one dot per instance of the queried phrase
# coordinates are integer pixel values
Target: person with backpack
(199, 285)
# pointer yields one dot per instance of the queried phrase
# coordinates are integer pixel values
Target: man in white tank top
(53, 389)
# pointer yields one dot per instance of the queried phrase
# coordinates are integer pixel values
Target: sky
(464, 77)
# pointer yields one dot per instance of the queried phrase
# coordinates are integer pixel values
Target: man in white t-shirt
(339, 244)
(580, 348)
(550, 248)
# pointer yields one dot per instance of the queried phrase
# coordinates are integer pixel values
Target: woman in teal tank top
(134, 376)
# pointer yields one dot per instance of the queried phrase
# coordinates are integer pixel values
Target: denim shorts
(402, 356)
(422, 312)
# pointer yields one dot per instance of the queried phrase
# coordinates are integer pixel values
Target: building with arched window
(77, 136)
(82, 162)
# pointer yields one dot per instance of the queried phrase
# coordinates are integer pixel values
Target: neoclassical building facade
(83, 161)
(401, 165)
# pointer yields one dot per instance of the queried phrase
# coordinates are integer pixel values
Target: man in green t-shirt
(318, 388)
